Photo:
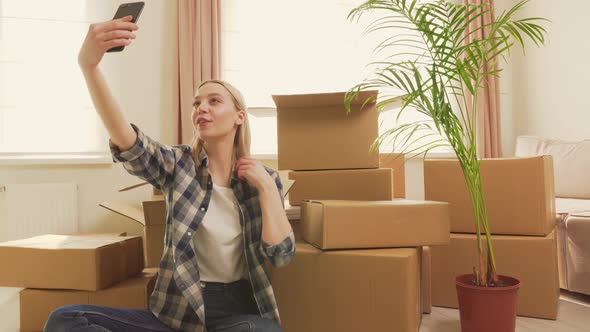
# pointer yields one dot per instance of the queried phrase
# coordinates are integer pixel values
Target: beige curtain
(198, 57)
(488, 103)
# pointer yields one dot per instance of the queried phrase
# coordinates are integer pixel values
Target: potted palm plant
(439, 67)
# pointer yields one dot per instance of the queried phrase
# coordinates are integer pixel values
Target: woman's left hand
(254, 172)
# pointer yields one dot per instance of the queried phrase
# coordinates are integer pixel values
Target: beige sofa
(571, 162)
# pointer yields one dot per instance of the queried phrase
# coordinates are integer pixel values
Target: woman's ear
(241, 116)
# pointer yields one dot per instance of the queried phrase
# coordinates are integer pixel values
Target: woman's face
(214, 114)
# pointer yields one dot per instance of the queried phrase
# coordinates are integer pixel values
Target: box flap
(104, 234)
(130, 210)
(155, 190)
(320, 99)
(51, 241)
(133, 186)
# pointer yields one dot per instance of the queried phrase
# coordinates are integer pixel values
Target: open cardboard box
(314, 132)
(151, 213)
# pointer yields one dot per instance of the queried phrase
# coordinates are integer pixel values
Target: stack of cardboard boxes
(357, 265)
(521, 210)
(58, 270)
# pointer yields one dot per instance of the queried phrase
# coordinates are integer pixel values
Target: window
(45, 108)
(290, 47)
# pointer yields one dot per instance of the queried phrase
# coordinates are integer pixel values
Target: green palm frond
(448, 65)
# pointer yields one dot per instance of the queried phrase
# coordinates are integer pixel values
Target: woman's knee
(60, 319)
(64, 318)
(266, 325)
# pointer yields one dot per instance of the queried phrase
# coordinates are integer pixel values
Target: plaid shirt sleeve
(147, 159)
(280, 254)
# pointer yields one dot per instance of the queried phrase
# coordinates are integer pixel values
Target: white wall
(541, 94)
(545, 92)
(141, 78)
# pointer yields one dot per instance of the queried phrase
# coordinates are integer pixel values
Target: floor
(573, 316)
(9, 309)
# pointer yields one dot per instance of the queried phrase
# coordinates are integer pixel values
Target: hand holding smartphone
(132, 9)
(109, 36)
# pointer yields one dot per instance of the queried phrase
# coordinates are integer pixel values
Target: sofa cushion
(571, 160)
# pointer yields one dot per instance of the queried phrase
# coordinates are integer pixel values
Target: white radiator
(41, 208)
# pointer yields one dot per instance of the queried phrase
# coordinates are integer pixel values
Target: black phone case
(134, 9)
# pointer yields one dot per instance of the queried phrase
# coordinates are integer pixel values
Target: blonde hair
(241, 146)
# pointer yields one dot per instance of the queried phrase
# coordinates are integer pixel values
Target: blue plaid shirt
(177, 297)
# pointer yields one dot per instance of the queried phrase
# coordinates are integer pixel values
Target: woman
(225, 213)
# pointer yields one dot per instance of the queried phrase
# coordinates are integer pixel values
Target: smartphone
(134, 9)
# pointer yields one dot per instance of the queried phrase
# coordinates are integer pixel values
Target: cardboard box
(70, 261)
(349, 290)
(356, 184)
(151, 213)
(296, 226)
(425, 280)
(531, 259)
(103, 234)
(395, 161)
(519, 194)
(339, 224)
(314, 132)
(37, 304)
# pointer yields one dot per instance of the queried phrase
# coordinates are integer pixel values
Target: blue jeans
(228, 308)
(232, 308)
(92, 318)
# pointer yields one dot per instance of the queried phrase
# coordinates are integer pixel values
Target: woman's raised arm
(101, 37)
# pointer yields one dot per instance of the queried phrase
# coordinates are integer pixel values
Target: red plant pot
(487, 309)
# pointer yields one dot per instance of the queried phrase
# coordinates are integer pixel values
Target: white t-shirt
(218, 241)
